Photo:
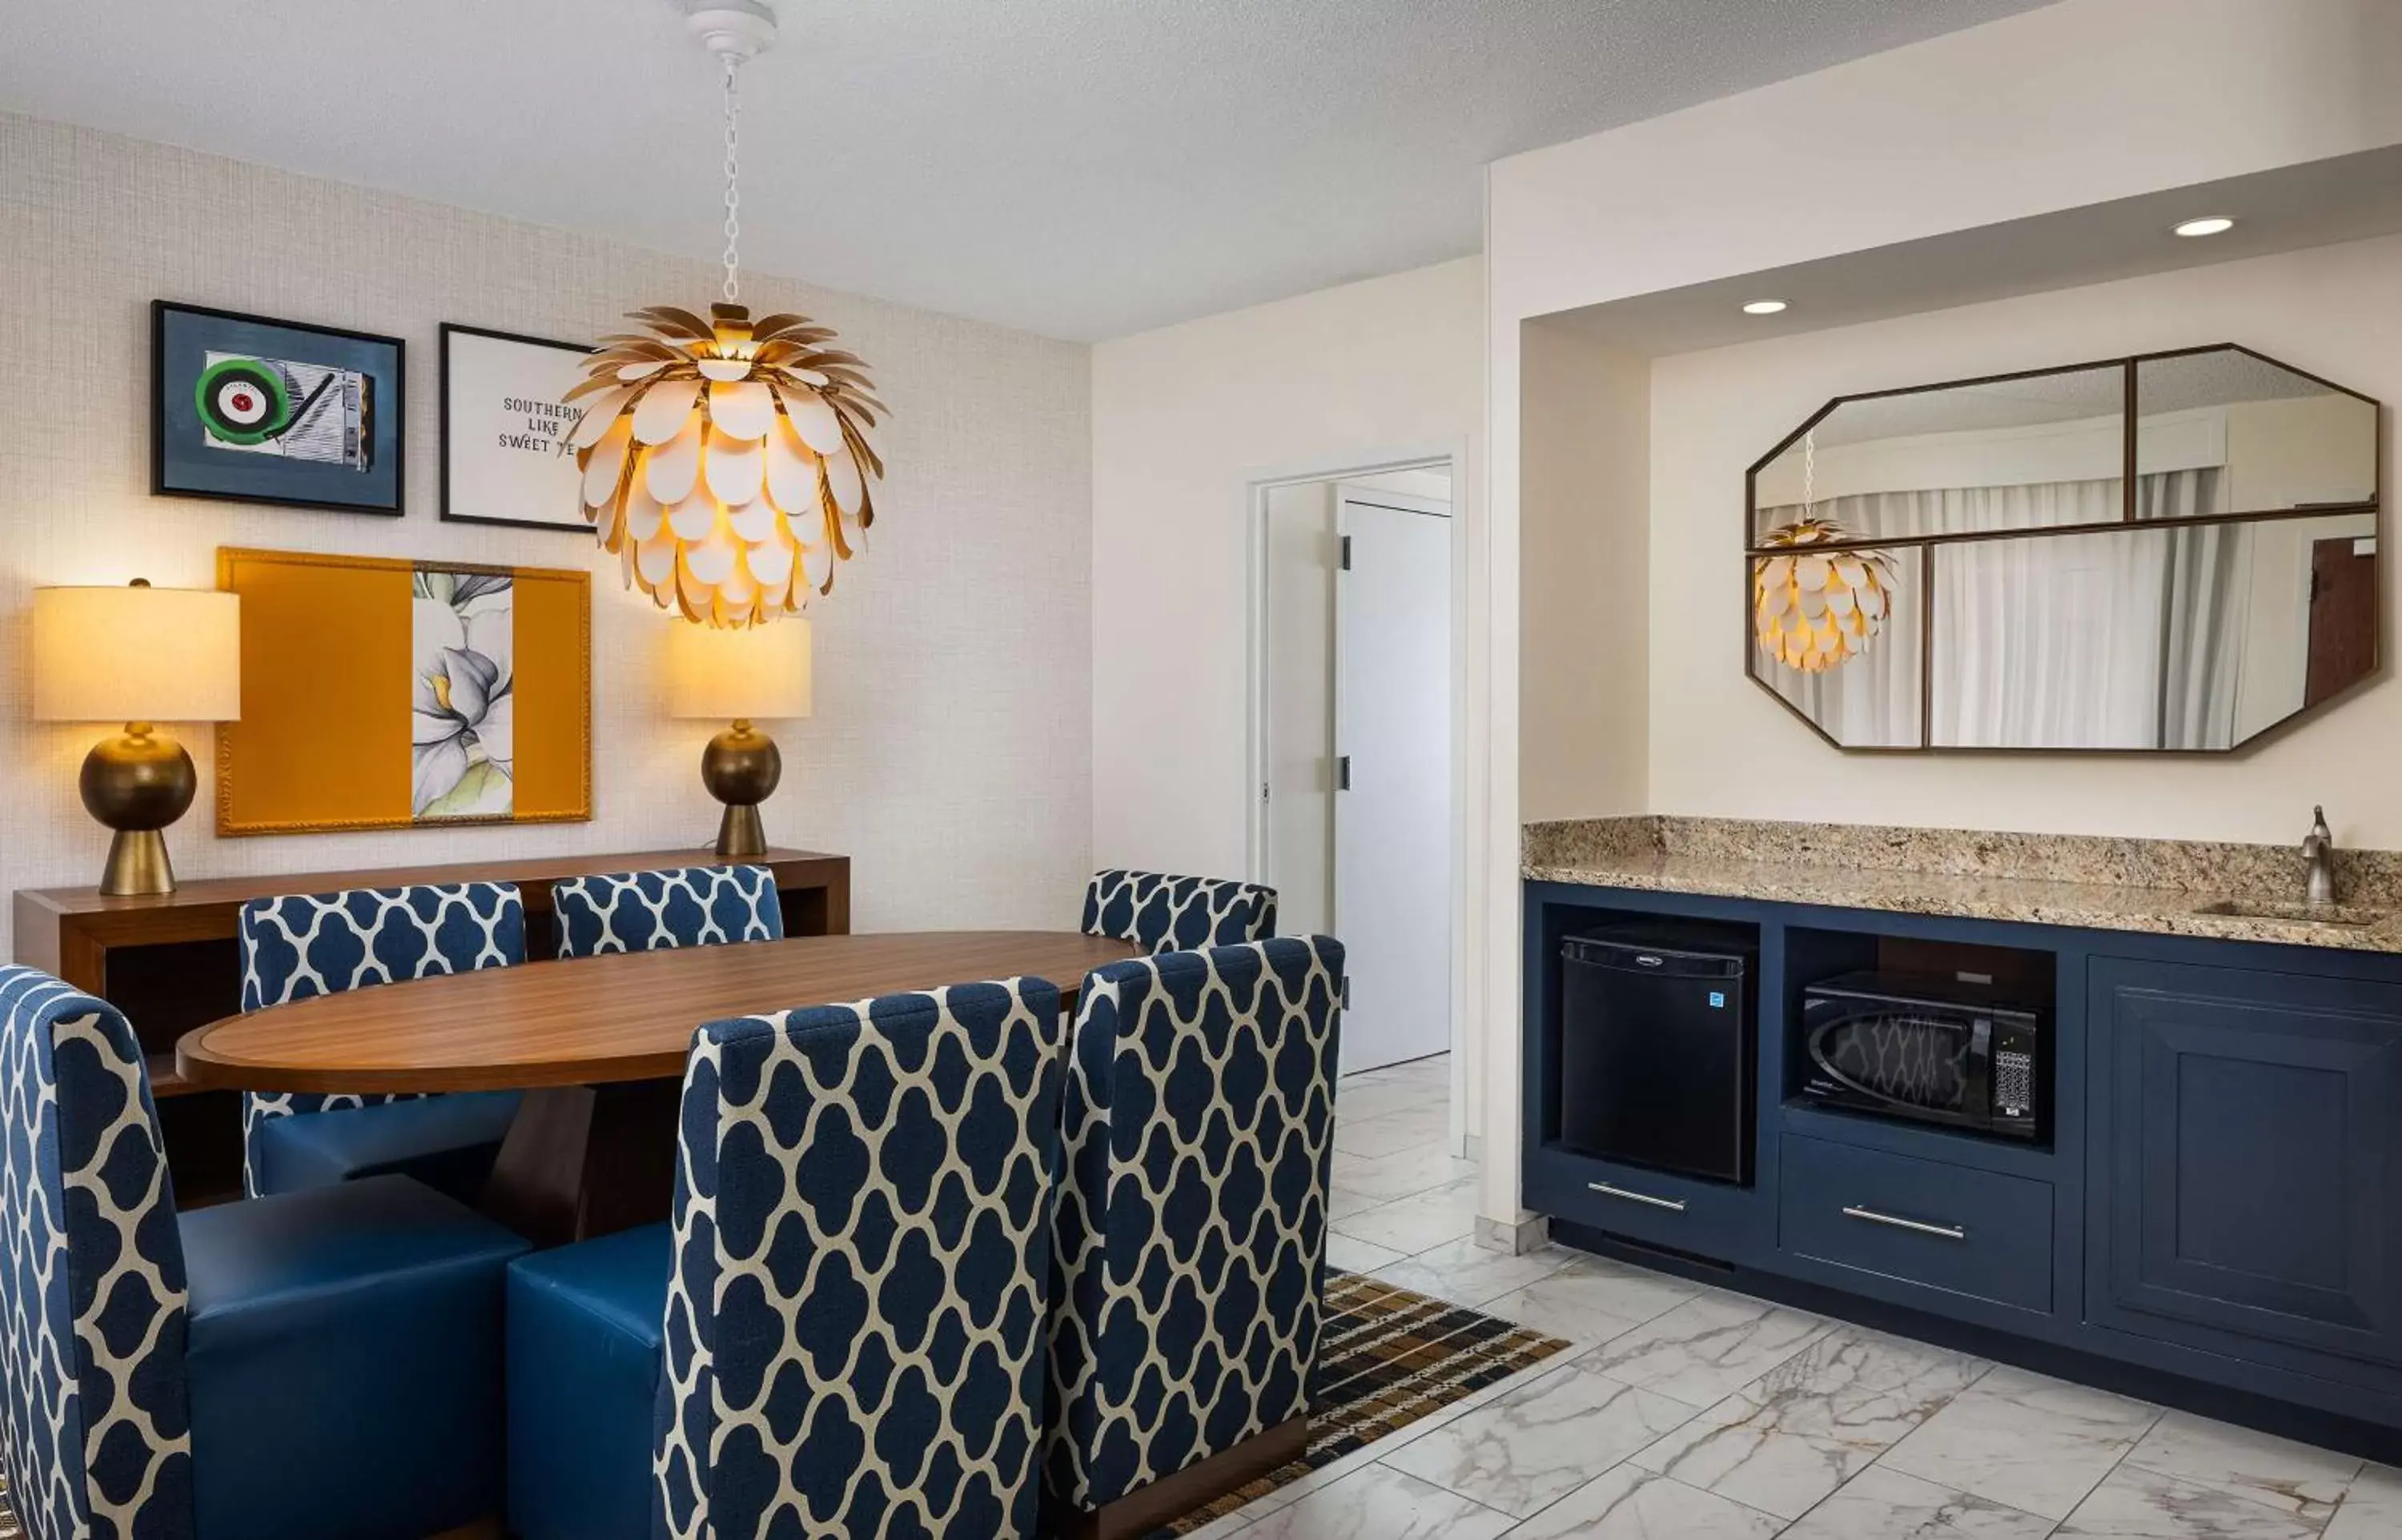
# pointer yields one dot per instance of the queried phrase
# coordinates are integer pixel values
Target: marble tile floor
(1684, 1412)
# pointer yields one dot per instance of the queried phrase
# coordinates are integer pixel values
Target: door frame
(1451, 455)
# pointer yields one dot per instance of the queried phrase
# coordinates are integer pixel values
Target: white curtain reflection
(2122, 639)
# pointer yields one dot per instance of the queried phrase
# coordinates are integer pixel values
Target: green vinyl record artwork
(243, 401)
(246, 408)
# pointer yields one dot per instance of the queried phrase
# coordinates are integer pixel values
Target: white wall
(1184, 419)
(2076, 103)
(2336, 312)
(948, 753)
(1585, 451)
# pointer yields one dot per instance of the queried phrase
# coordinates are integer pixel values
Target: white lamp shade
(136, 654)
(756, 672)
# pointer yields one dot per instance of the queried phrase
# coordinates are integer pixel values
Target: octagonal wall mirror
(2171, 553)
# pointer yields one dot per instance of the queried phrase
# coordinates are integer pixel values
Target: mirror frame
(2129, 366)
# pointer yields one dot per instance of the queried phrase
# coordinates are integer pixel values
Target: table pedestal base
(585, 1161)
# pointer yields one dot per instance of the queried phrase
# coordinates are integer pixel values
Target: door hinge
(1346, 991)
(1346, 556)
(1343, 772)
(1263, 790)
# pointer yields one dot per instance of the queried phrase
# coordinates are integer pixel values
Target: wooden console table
(170, 964)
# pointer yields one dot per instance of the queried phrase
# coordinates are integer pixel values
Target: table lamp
(756, 672)
(138, 655)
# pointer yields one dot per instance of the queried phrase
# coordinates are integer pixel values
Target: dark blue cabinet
(2218, 1199)
(2245, 1181)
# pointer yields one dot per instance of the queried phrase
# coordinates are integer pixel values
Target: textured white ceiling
(1080, 168)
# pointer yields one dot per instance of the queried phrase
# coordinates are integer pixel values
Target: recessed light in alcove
(1763, 307)
(2216, 223)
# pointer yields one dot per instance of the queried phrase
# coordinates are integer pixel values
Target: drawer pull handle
(1674, 1205)
(1949, 1232)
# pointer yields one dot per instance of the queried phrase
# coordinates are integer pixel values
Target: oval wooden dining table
(598, 1046)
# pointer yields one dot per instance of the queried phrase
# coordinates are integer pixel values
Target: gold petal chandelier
(1815, 612)
(726, 460)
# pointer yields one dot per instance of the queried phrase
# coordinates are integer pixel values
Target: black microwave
(1928, 1050)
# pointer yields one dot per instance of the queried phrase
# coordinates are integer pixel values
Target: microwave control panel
(2014, 1074)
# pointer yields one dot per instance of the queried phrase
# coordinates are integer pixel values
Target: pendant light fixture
(726, 460)
(1813, 611)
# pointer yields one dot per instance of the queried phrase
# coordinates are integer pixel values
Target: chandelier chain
(733, 258)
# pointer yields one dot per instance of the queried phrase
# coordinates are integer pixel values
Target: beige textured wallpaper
(950, 752)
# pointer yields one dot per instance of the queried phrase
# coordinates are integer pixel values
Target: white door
(1393, 797)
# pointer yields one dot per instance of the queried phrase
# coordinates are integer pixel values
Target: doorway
(1355, 582)
(2343, 616)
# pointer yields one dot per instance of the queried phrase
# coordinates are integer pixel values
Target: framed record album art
(250, 409)
(504, 428)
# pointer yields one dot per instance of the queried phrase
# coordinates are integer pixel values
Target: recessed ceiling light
(2211, 225)
(1763, 307)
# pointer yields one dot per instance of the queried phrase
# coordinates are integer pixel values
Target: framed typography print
(505, 431)
(250, 409)
(379, 693)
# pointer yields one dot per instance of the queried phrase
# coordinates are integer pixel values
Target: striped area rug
(1389, 1357)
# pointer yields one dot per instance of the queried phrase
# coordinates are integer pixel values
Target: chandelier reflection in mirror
(2175, 551)
(1814, 612)
(726, 460)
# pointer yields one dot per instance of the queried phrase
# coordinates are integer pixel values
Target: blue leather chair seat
(447, 1142)
(584, 1365)
(380, 1298)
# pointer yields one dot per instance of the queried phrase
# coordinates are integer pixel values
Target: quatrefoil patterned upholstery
(648, 911)
(1160, 912)
(862, 1239)
(242, 1370)
(298, 947)
(1198, 1132)
(91, 1276)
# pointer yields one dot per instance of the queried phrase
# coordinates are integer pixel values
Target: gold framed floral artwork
(379, 693)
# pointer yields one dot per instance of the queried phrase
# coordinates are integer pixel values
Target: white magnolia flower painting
(463, 704)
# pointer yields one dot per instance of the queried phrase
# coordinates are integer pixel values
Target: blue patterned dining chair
(840, 1330)
(297, 947)
(650, 910)
(320, 1366)
(1160, 912)
(1187, 1263)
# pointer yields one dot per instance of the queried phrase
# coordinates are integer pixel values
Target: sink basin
(2295, 913)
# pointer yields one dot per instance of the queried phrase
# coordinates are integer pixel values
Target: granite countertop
(2157, 886)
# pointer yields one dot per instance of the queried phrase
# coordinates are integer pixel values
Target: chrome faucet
(2318, 850)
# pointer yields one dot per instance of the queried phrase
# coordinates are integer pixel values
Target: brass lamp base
(740, 767)
(138, 784)
(137, 864)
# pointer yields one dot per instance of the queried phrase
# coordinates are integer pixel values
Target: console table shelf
(170, 964)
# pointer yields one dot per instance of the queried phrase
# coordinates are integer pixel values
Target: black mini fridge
(1659, 1051)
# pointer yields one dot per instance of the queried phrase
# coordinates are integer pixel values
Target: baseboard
(1514, 1237)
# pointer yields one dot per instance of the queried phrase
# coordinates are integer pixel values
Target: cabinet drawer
(1730, 1224)
(1945, 1226)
